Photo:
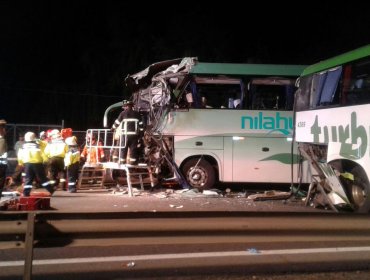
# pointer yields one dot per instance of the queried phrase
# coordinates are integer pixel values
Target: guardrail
(33, 229)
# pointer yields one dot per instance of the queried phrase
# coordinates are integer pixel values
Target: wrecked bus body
(332, 129)
(217, 122)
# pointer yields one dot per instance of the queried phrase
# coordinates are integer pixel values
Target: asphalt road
(170, 199)
(115, 200)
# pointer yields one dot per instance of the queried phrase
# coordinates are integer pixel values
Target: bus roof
(337, 60)
(191, 65)
(247, 69)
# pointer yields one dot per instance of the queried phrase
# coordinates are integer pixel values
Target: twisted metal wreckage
(155, 90)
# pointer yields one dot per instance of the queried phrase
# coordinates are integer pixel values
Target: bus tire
(359, 191)
(201, 176)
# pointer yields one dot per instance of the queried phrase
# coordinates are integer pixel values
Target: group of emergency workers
(48, 159)
(52, 157)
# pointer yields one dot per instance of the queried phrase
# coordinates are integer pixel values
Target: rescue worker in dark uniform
(72, 163)
(131, 126)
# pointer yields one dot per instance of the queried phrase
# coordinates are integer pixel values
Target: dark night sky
(68, 59)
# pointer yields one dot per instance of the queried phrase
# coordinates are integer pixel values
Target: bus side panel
(227, 163)
(333, 125)
(199, 142)
(242, 154)
(304, 124)
(262, 159)
(225, 122)
(190, 146)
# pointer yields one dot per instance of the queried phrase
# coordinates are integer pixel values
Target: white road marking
(248, 252)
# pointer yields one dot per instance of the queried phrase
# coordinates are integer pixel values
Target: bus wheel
(200, 175)
(359, 190)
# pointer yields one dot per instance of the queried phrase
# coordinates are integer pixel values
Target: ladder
(133, 172)
(93, 176)
(99, 175)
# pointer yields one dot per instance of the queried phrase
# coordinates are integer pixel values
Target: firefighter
(131, 134)
(56, 150)
(31, 157)
(72, 163)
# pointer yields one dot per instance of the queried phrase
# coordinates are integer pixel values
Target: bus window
(218, 92)
(329, 88)
(303, 93)
(324, 88)
(271, 94)
(359, 85)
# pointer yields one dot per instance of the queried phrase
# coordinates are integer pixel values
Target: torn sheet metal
(153, 89)
(270, 195)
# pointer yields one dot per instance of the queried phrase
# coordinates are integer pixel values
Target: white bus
(333, 127)
(218, 122)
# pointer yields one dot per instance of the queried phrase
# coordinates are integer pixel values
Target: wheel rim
(197, 176)
(358, 194)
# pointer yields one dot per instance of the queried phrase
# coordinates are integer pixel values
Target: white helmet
(71, 141)
(42, 135)
(30, 136)
(54, 134)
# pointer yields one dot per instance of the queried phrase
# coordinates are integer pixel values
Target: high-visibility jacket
(72, 156)
(42, 144)
(56, 148)
(31, 153)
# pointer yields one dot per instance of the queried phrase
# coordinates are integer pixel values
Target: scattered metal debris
(270, 195)
(176, 206)
(211, 193)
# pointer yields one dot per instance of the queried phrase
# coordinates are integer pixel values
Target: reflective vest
(31, 153)
(56, 148)
(72, 156)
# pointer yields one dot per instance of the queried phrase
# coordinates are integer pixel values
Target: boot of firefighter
(62, 184)
(49, 186)
(114, 155)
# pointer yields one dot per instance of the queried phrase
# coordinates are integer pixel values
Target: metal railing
(15, 129)
(30, 229)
